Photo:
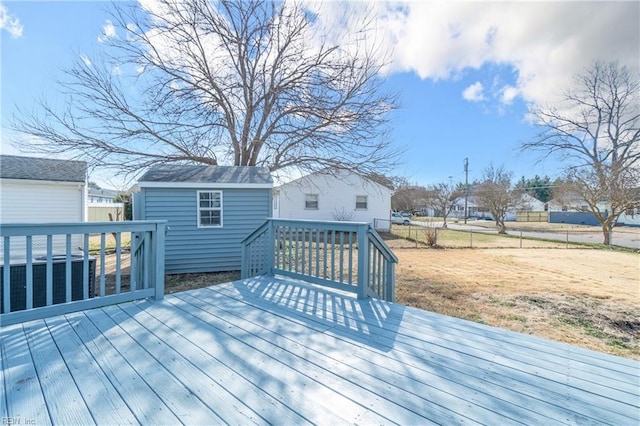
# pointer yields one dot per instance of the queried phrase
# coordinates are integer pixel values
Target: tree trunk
(502, 228)
(606, 231)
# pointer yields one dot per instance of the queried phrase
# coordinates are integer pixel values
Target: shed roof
(45, 169)
(177, 175)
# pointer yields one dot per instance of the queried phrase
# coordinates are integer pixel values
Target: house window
(209, 209)
(361, 202)
(311, 201)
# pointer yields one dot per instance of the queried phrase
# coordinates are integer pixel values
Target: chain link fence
(460, 236)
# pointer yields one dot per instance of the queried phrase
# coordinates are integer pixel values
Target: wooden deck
(278, 351)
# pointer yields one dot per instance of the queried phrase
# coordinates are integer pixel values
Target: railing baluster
(333, 255)
(85, 268)
(49, 273)
(147, 260)
(6, 275)
(133, 268)
(67, 268)
(103, 266)
(29, 275)
(351, 258)
(311, 251)
(341, 256)
(118, 262)
(324, 266)
(278, 246)
(296, 254)
(317, 252)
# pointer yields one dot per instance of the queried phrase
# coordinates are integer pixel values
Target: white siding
(32, 202)
(336, 194)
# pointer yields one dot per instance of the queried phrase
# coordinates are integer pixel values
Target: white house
(41, 190)
(339, 195)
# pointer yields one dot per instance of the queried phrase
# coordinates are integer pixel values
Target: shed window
(361, 202)
(209, 208)
(311, 201)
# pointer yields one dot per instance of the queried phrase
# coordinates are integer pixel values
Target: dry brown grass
(586, 297)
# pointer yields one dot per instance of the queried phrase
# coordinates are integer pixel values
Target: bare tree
(442, 198)
(240, 82)
(596, 129)
(497, 195)
(408, 197)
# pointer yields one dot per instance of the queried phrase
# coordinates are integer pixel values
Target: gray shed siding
(192, 249)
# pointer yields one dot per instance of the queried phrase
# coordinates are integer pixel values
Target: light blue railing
(47, 269)
(348, 256)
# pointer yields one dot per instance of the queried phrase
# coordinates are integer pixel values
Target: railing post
(271, 251)
(391, 285)
(363, 261)
(158, 256)
(244, 261)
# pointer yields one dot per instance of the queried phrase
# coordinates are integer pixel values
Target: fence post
(158, 256)
(520, 239)
(470, 239)
(567, 243)
(363, 261)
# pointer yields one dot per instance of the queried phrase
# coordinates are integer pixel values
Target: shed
(209, 210)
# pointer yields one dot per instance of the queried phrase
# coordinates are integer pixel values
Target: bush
(431, 236)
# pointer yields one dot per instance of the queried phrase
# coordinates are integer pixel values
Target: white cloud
(108, 31)
(474, 93)
(508, 94)
(545, 43)
(10, 23)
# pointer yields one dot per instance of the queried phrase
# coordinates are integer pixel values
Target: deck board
(275, 351)
(95, 388)
(23, 395)
(64, 401)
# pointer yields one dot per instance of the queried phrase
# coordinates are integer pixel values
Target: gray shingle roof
(207, 174)
(31, 168)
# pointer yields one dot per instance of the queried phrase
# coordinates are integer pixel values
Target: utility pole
(466, 186)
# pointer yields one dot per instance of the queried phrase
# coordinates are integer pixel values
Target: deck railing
(47, 269)
(349, 256)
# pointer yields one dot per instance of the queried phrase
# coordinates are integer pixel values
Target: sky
(466, 73)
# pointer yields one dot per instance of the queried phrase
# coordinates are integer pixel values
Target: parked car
(399, 219)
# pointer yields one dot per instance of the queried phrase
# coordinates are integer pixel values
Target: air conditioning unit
(18, 280)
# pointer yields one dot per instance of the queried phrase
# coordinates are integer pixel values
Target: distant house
(42, 190)
(209, 209)
(574, 210)
(102, 206)
(339, 195)
(99, 195)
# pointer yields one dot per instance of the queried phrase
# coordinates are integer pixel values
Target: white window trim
(198, 209)
(317, 207)
(366, 201)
